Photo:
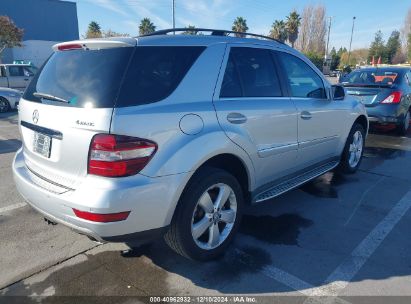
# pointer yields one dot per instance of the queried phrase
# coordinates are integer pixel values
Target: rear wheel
(403, 128)
(4, 105)
(207, 216)
(353, 150)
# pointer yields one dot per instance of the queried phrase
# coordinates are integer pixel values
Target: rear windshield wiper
(49, 97)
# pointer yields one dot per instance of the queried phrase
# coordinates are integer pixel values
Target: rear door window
(155, 72)
(250, 72)
(303, 80)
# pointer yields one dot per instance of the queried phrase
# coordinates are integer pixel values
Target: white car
(9, 99)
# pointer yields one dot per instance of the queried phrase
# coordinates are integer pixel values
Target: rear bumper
(151, 201)
(385, 114)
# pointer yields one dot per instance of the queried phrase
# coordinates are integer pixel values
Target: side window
(16, 71)
(231, 86)
(304, 82)
(250, 72)
(2, 72)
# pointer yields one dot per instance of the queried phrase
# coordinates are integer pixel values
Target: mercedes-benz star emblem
(35, 116)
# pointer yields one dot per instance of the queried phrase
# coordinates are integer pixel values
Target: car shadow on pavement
(11, 117)
(9, 145)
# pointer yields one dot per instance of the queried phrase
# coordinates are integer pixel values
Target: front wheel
(207, 216)
(353, 150)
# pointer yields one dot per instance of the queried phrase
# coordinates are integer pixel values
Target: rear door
(67, 103)
(320, 119)
(19, 77)
(254, 111)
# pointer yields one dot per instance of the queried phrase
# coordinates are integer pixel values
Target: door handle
(306, 115)
(236, 118)
(26, 79)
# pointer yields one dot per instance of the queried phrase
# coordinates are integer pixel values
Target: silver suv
(128, 139)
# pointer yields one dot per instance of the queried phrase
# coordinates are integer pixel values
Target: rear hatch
(67, 103)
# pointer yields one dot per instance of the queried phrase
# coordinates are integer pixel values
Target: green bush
(316, 59)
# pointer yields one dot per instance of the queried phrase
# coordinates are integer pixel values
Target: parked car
(174, 134)
(16, 76)
(9, 99)
(385, 92)
(333, 73)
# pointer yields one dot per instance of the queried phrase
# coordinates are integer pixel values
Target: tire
(403, 128)
(4, 105)
(192, 213)
(350, 163)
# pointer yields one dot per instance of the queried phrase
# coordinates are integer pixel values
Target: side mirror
(338, 92)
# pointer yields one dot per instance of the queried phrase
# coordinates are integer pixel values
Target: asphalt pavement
(337, 237)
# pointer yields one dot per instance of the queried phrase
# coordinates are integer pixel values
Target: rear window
(374, 77)
(95, 78)
(155, 72)
(89, 78)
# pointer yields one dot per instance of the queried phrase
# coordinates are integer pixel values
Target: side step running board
(294, 182)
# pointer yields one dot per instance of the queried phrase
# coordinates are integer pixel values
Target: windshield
(84, 78)
(373, 77)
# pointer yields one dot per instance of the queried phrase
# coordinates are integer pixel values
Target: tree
(377, 48)
(190, 30)
(240, 25)
(278, 30)
(316, 59)
(293, 22)
(313, 29)
(399, 57)
(406, 29)
(335, 59)
(10, 34)
(146, 27)
(393, 45)
(110, 33)
(93, 31)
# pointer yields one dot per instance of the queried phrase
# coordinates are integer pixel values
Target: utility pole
(352, 32)
(174, 14)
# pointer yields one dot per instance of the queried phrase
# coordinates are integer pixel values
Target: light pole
(352, 32)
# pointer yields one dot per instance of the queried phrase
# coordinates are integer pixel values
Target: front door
(319, 117)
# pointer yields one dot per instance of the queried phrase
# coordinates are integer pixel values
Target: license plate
(42, 144)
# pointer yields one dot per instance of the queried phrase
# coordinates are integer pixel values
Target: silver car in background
(9, 99)
(129, 139)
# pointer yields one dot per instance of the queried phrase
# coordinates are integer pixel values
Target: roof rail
(214, 32)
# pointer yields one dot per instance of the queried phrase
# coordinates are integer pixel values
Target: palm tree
(292, 24)
(94, 30)
(240, 25)
(146, 27)
(190, 30)
(278, 30)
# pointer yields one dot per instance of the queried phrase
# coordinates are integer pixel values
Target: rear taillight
(118, 156)
(101, 217)
(395, 97)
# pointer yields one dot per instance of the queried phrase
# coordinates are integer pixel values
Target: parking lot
(338, 236)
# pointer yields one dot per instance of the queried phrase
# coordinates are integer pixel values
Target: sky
(124, 15)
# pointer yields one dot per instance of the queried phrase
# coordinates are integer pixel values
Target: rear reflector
(119, 156)
(102, 217)
(67, 47)
(395, 97)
